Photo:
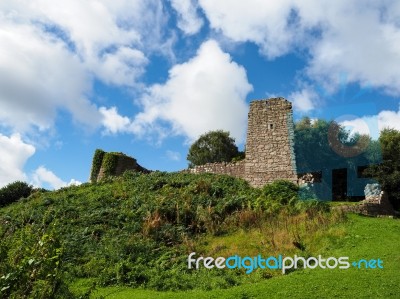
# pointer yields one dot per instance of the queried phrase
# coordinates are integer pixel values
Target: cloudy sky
(148, 77)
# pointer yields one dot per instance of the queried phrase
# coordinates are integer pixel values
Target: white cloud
(13, 155)
(43, 176)
(38, 75)
(112, 121)
(122, 67)
(362, 43)
(54, 51)
(341, 37)
(389, 119)
(188, 19)
(205, 93)
(373, 124)
(358, 125)
(74, 182)
(258, 21)
(303, 100)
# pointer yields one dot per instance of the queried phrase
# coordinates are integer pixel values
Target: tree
(312, 147)
(387, 173)
(326, 145)
(214, 146)
(13, 192)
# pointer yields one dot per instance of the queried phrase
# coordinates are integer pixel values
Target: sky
(147, 78)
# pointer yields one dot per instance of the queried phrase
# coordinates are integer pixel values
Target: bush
(281, 191)
(13, 192)
(33, 267)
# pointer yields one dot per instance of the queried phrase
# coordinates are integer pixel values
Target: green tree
(214, 146)
(313, 151)
(325, 144)
(14, 191)
(387, 173)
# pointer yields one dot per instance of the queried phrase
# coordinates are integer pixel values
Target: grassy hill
(364, 238)
(130, 236)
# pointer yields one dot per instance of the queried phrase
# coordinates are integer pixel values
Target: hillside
(137, 231)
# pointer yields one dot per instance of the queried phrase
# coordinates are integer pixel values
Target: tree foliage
(214, 146)
(325, 145)
(14, 191)
(387, 173)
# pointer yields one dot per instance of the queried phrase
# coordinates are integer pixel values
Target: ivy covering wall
(112, 164)
(96, 164)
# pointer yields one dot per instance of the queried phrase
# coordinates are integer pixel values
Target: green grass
(369, 238)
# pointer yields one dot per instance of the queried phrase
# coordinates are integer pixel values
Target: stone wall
(269, 148)
(235, 169)
(122, 164)
(269, 145)
(376, 203)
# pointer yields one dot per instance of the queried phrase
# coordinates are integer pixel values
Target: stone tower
(270, 139)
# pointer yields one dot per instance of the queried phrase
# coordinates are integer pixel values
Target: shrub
(13, 192)
(35, 263)
(281, 191)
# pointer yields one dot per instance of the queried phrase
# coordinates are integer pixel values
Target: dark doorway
(339, 184)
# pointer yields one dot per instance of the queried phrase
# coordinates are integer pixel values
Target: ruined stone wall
(269, 145)
(115, 164)
(235, 169)
(269, 149)
(376, 203)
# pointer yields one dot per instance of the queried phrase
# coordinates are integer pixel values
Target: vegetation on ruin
(96, 164)
(105, 161)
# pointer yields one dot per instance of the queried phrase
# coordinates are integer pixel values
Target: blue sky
(148, 77)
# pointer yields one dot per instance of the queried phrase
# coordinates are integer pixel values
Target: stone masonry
(235, 169)
(123, 164)
(376, 203)
(269, 147)
(269, 144)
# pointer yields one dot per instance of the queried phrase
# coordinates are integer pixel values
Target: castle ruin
(269, 146)
(270, 156)
(107, 164)
(269, 150)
